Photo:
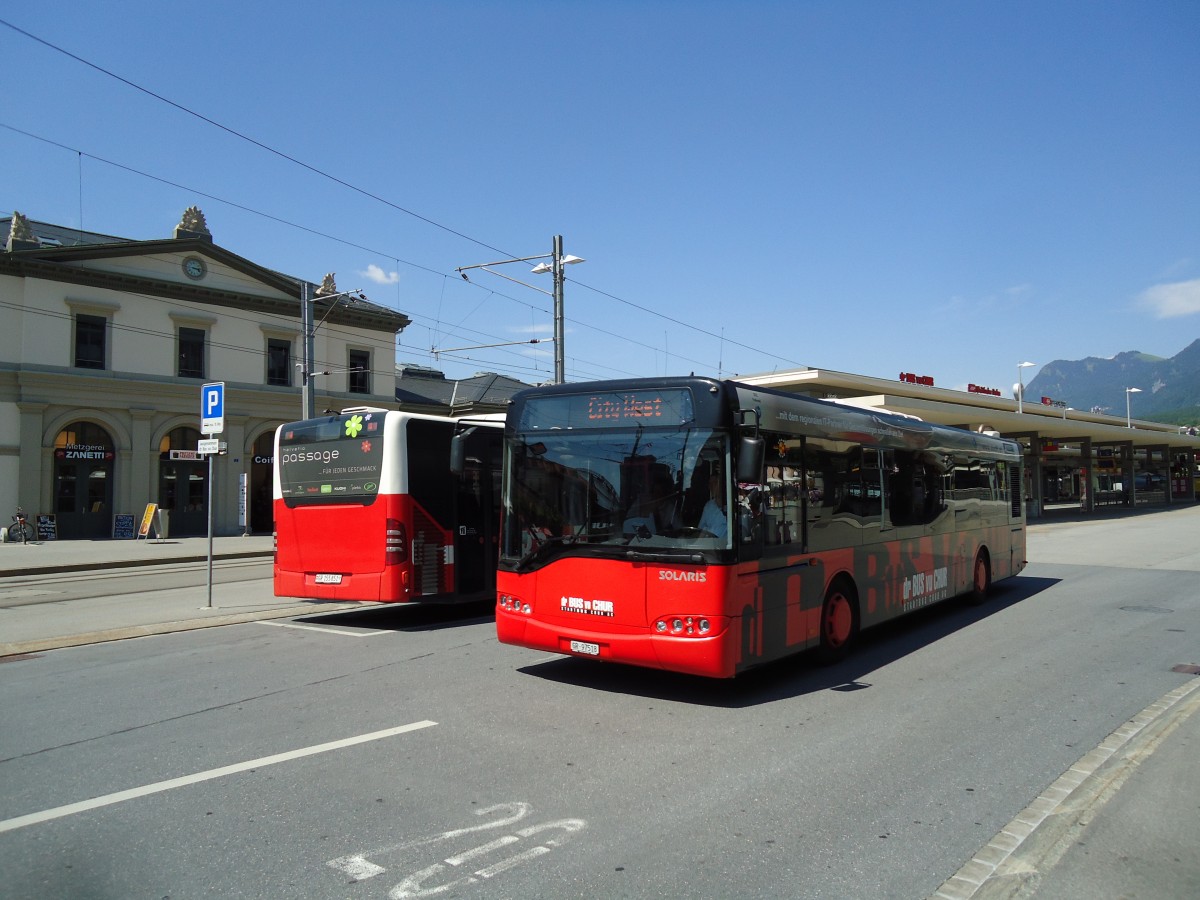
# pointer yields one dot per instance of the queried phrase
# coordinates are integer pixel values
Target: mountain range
(1170, 388)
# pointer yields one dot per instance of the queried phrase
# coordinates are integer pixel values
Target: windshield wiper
(664, 556)
(542, 545)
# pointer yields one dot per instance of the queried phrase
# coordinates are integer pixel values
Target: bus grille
(1014, 489)
(428, 571)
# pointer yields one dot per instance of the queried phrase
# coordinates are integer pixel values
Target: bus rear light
(395, 542)
(684, 626)
(514, 604)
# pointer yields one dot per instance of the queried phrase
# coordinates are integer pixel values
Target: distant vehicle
(707, 527)
(1143, 482)
(1149, 481)
(367, 507)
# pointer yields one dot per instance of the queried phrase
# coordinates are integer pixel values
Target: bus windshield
(334, 460)
(641, 489)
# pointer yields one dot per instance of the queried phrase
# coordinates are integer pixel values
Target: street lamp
(1128, 391)
(557, 261)
(308, 400)
(1067, 409)
(1021, 385)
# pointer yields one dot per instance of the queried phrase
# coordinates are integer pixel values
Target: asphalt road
(391, 752)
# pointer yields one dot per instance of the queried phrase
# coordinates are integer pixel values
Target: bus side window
(749, 517)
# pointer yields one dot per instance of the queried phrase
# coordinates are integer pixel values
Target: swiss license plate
(328, 578)
(585, 647)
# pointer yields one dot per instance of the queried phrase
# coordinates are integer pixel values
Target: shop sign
(979, 389)
(910, 378)
(83, 451)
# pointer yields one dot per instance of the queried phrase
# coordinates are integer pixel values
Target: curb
(128, 563)
(1012, 863)
(41, 645)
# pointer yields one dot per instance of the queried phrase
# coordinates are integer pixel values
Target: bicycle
(20, 529)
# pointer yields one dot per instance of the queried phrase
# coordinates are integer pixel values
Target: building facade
(107, 344)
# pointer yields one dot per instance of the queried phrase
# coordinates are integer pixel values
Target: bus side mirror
(750, 459)
(458, 453)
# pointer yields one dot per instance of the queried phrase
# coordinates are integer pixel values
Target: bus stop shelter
(1082, 460)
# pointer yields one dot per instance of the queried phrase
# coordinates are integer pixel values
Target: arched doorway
(84, 459)
(183, 483)
(262, 470)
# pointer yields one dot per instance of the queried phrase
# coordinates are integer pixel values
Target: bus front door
(478, 511)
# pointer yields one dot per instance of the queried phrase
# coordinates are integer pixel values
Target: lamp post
(557, 260)
(308, 400)
(1021, 385)
(1128, 391)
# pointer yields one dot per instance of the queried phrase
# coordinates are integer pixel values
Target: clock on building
(193, 267)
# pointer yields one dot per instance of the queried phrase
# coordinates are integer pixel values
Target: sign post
(243, 519)
(212, 422)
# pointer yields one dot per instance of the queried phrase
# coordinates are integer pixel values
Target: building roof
(423, 387)
(976, 411)
(59, 252)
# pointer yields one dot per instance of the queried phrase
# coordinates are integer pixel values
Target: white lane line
(302, 627)
(133, 793)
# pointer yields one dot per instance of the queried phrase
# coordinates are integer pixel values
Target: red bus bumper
(711, 655)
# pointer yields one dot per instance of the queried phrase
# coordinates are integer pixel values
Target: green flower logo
(354, 425)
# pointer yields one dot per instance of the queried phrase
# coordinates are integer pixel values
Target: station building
(1074, 460)
(105, 346)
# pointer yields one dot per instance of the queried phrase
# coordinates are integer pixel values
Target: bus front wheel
(981, 578)
(839, 622)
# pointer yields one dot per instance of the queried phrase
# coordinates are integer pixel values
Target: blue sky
(941, 188)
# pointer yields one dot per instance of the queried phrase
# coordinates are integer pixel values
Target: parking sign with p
(212, 408)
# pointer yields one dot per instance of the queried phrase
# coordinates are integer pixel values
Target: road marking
(359, 868)
(303, 627)
(158, 787)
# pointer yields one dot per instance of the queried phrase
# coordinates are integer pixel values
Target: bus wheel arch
(839, 620)
(981, 577)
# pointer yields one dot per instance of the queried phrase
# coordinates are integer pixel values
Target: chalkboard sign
(124, 527)
(47, 528)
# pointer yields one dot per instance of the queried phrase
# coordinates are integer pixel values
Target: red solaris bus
(367, 508)
(708, 527)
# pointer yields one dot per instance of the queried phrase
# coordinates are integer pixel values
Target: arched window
(84, 461)
(183, 482)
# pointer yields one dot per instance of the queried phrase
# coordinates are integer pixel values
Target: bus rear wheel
(839, 622)
(981, 578)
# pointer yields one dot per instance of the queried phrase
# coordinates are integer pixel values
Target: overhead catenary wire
(362, 192)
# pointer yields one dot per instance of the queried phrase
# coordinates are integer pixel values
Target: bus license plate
(328, 578)
(584, 647)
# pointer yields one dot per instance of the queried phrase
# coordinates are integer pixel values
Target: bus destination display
(600, 410)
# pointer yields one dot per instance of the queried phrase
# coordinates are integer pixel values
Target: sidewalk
(32, 574)
(52, 557)
(1116, 824)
